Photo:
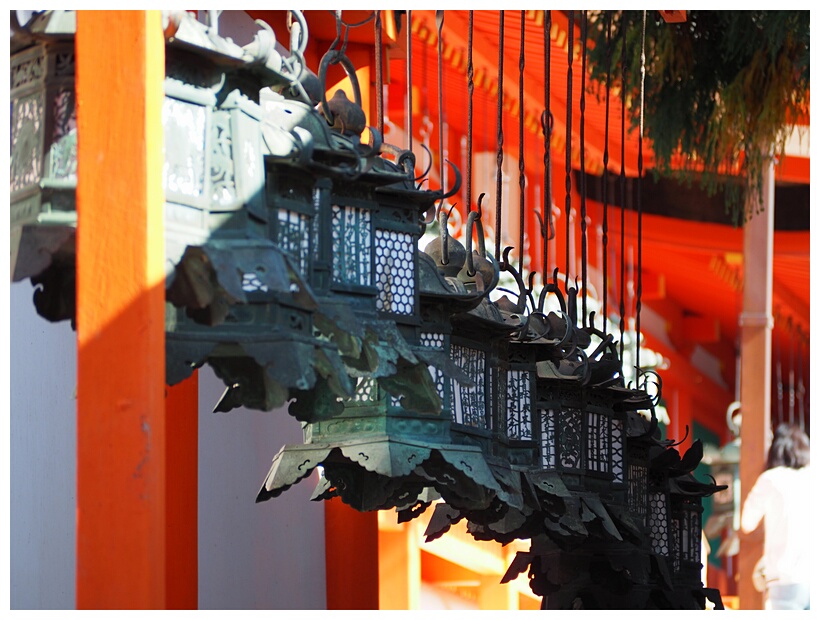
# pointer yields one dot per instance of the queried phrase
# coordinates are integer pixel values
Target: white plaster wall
(43, 446)
(251, 556)
(269, 555)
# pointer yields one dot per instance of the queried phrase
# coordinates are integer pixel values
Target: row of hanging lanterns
(294, 271)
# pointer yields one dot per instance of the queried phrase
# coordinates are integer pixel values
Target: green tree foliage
(721, 89)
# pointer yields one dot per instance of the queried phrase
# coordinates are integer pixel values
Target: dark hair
(790, 448)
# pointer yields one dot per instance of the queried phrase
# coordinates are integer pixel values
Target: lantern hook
(647, 373)
(456, 186)
(430, 165)
(474, 220)
(524, 293)
(373, 146)
(685, 435)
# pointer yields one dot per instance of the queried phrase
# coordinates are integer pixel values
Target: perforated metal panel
(637, 490)
(658, 522)
(570, 438)
(618, 450)
(252, 284)
(352, 243)
(548, 438)
(677, 537)
(395, 272)
(518, 401)
(598, 442)
(367, 391)
(469, 406)
(691, 533)
(293, 236)
(433, 340)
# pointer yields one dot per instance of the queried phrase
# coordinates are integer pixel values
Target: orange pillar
(351, 557)
(121, 435)
(756, 325)
(181, 496)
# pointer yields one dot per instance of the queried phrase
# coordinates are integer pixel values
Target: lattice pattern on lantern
(367, 391)
(637, 490)
(395, 273)
(433, 340)
(675, 534)
(598, 442)
(184, 168)
(618, 450)
(63, 152)
(252, 284)
(548, 435)
(351, 245)
(469, 402)
(658, 522)
(690, 533)
(293, 236)
(518, 401)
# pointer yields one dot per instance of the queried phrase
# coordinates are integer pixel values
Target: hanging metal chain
(583, 170)
(546, 127)
(379, 75)
(357, 24)
(409, 82)
(521, 181)
(640, 210)
(568, 171)
(622, 307)
(470, 89)
(442, 180)
(605, 228)
(499, 158)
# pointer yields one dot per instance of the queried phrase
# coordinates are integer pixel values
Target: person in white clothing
(781, 499)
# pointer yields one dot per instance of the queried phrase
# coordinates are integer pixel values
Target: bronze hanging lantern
(381, 451)
(236, 299)
(43, 172)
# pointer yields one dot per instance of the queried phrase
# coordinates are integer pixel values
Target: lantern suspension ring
(423, 175)
(298, 32)
(333, 57)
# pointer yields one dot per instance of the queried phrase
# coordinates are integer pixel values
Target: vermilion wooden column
(121, 434)
(181, 493)
(351, 557)
(756, 324)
